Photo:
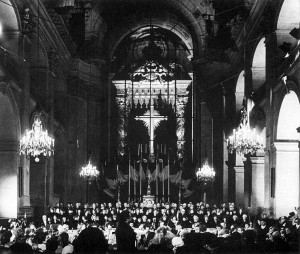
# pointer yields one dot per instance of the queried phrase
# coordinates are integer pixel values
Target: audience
(159, 228)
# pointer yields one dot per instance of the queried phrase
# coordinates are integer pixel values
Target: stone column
(122, 129)
(271, 74)
(228, 113)
(109, 84)
(239, 185)
(198, 85)
(180, 107)
(239, 181)
(286, 177)
(298, 130)
(258, 183)
(25, 112)
(52, 66)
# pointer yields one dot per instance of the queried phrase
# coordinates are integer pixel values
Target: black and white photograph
(149, 126)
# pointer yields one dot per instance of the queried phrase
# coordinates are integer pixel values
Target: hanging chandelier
(89, 172)
(36, 141)
(205, 173)
(244, 140)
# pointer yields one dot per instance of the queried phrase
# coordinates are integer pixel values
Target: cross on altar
(151, 118)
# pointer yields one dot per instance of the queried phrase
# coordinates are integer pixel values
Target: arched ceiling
(124, 17)
(152, 43)
(8, 17)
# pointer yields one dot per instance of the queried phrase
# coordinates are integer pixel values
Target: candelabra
(244, 140)
(36, 141)
(205, 173)
(89, 172)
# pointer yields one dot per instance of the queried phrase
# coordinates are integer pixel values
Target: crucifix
(151, 118)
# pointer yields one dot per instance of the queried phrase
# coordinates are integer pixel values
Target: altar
(148, 200)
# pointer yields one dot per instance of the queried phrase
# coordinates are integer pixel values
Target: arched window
(9, 136)
(289, 117)
(289, 15)
(288, 20)
(239, 92)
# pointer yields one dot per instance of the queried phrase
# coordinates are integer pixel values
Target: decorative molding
(239, 170)
(291, 146)
(257, 160)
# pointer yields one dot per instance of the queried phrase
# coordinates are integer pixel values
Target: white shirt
(68, 249)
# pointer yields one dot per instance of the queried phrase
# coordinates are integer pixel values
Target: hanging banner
(185, 183)
(142, 173)
(133, 174)
(112, 184)
(176, 178)
(121, 177)
(109, 193)
(187, 193)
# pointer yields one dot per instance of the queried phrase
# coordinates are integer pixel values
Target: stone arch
(287, 153)
(9, 152)
(10, 20)
(10, 25)
(185, 11)
(288, 120)
(259, 65)
(288, 19)
(122, 32)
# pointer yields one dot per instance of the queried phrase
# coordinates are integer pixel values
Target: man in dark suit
(262, 231)
(125, 235)
(55, 220)
(178, 229)
(149, 235)
(44, 222)
(207, 238)
(295, 229)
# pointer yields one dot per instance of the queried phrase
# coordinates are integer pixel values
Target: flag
(176, 178)
(187, 193)
(142, 173)
(133, 174)
(121, 177)
(112, 184)
(185, 183)
(109, 193)
(153, 175)
(163, 175)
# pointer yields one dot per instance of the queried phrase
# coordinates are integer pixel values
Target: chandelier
(205, 173)
(36, 141)
(89, 172)
(244, 140)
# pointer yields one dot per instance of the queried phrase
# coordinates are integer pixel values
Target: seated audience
(161, 228)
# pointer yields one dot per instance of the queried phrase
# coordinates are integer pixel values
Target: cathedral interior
(150, 91)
